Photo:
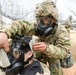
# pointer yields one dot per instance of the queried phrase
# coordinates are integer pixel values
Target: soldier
(69, 21)
(54, 40)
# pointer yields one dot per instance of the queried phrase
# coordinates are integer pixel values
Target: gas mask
(44, 29)
(20, 45)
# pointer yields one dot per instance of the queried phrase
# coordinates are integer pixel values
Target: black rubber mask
(43, 29)
(20, 45)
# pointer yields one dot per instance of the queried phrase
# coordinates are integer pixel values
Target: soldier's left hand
(39, 46)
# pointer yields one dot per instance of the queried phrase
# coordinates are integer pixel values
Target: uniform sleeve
(18, 27)
(62, 45)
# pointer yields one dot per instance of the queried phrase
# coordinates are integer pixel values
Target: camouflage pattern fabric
(57, 44)
(2, 72)
(46, 8)
(3, 55)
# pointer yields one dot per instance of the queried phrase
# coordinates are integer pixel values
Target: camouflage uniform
(2, 72)
(57, 44)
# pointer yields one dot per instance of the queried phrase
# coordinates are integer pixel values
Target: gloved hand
(39, 46)
(4, 41)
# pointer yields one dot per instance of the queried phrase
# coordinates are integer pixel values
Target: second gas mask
(20, 45)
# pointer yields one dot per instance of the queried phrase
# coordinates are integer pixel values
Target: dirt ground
(73, 44)
(70, 71)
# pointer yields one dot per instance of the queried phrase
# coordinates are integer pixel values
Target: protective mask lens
(16, 53)
(45, 19)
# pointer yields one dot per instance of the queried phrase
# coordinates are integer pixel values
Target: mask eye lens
(45, 20)
(16, 53)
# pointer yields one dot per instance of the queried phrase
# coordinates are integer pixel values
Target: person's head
(46, 14)
(21, 49)
(20, 54)
(46, 9)
(28, 54)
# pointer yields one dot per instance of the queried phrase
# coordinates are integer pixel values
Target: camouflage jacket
(57, 44)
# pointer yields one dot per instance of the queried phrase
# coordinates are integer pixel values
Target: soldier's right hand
(4, 41)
